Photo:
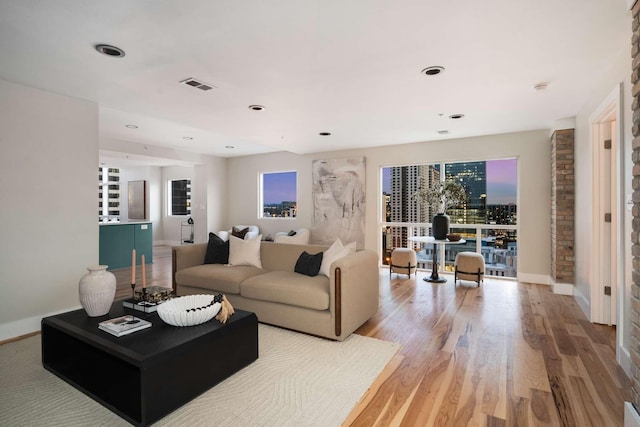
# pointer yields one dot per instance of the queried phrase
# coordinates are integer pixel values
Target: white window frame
(260, 213)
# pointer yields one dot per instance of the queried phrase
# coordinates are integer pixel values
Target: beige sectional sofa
(328, 307)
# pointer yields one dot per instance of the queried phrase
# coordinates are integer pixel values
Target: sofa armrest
(354, 290)
(186, 256)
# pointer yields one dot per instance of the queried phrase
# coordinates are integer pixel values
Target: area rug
(298, 380)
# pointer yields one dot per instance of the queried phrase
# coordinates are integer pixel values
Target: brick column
(562, 207)
(635, 239)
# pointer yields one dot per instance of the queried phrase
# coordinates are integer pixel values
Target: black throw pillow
(239, 233)
(308, 264)
(217, 250)
(291, 233)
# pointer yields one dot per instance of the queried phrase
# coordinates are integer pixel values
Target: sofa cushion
(217, 277)
(217, 250)
(245, 252)
(287, 287)
(335, 252)
(308, 264)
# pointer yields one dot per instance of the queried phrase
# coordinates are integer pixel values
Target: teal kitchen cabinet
(118, 239)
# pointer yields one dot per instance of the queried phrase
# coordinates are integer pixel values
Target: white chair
(253, 232)
(300, 238)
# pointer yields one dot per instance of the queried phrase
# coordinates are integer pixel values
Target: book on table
(144, 306)
(124, 325)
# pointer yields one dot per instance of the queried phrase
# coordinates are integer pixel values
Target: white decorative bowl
(188, 310)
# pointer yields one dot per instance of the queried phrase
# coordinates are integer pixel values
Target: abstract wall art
(338, 201)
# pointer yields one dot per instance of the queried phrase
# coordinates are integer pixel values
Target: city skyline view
(501, 181)
(491, 198)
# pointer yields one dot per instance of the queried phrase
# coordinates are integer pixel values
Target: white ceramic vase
(97, 289)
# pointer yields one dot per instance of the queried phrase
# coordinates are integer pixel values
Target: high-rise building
(473, 178)
(405, 181)
(108, 194)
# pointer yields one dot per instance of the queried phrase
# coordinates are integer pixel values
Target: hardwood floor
(158, 273)
(504, 354)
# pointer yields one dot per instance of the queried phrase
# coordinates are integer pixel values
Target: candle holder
(133, 295)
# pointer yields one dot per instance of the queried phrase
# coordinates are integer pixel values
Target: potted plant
(440, 197)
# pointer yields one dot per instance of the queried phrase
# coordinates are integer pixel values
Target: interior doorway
(608, 219)
(605, 218)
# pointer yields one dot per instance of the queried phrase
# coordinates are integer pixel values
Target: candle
(133, 267)
(144, 276)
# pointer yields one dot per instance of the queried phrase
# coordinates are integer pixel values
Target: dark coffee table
(146, 375)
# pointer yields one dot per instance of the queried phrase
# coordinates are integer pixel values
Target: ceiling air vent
(197, 84)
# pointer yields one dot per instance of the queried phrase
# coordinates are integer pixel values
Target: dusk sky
(501, 181)
(279, 187)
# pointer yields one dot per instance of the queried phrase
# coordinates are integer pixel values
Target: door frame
(609, 109)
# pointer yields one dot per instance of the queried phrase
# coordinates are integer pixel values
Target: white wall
(48, 194)
(153, 176)
(532, 149)
(210, 197)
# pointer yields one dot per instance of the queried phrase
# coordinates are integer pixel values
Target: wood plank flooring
(504, 354)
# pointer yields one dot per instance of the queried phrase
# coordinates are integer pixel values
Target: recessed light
(324, 133)
(539, 87)
(188, 138)
(456, 116)
(109, 50)
(443, 132)
(229, 147)
(131, 126)
(432, 71)
(256, 107)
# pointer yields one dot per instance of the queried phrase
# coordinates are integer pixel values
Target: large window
(278, 196)
(487, 219)
(179, 197)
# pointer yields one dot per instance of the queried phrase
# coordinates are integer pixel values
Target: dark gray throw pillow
(291, 233)
(217, 250)
(308, 264)
(239, 232)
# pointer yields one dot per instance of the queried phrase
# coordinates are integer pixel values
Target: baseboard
(583, 303)
(540, 279)
(26, 326)
(631, 416)
(166, 243)
(624, 360)
(562, 288)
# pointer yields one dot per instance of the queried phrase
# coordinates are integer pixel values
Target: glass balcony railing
(498, 244)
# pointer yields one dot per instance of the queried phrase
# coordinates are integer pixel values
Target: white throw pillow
(245, 252)
(335, 252)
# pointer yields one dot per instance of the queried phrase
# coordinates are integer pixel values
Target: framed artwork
(338, 195)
